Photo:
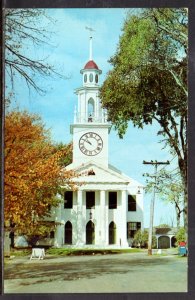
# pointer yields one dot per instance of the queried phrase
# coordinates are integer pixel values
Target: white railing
(90, 118)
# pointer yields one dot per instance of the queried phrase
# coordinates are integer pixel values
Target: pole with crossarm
(155, 164)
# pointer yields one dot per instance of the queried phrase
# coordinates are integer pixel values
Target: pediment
(92, 172)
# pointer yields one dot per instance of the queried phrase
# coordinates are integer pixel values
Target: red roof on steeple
(91, 65)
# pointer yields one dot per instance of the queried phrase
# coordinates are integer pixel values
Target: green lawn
(65, 251)
(69, 252)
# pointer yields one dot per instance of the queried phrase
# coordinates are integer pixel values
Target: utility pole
(155, 164)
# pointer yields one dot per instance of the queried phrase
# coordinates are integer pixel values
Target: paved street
(122, 273)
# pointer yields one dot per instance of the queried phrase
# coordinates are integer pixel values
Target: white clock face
(90, 144)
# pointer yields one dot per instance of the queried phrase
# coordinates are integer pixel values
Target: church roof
(92, 172)
(91, 65)
(165, 230)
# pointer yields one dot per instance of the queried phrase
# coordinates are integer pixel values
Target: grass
(68, 252)
(21, 252)
(72, 251)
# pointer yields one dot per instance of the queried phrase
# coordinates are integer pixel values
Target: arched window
(96, 78)
(91, 77)
(68, 233)
(91, 108)
(112, 233)
(90, 233)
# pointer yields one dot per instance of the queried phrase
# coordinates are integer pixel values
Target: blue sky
(69, 53)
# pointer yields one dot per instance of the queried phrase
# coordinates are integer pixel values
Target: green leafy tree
(141, 239)
(170, 189)
(148, 81)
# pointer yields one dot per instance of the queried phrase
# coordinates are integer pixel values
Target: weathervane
(90, 41)
(89, 28)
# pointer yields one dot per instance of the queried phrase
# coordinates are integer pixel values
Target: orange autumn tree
(33, 172)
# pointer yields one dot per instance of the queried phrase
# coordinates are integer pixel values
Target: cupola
(90, 71)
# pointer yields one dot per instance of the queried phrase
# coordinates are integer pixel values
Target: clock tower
(90, 128)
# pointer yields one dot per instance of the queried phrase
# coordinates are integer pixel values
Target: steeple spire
(90, 48)
(90, 42)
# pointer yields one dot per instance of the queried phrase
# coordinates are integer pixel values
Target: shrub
(141, 239)
(181, 235)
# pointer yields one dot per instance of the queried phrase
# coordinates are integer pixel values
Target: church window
(85, 78)
(112, 200)
(132, 228)
(52, 234)
(91, 77)
(68, 199)
(91, 106)
(131, 203)
(90, 200)
(96, 78)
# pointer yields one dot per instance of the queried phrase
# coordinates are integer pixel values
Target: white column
(103, 218)
(96, 108)
(58, 235)
(86, 109)
(80, 222)
(106, 219)
(58, 210)
(58, 242)
(123, 218)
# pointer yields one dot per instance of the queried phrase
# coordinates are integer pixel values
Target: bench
(37, 253)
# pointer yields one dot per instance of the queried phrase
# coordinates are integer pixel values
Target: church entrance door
(68, 233)
(112, 233)
(90, 233)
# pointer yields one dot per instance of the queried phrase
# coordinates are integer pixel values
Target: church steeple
(89, 106)
(90, 128)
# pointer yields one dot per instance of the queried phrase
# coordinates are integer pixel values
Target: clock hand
(88, 142)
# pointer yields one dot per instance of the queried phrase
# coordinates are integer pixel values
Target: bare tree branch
(24, 25)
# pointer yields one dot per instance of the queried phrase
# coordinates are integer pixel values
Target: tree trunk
(185, 212)
(183, 171)
(178, 213)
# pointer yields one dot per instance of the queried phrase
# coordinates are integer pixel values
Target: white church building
(107, 208)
